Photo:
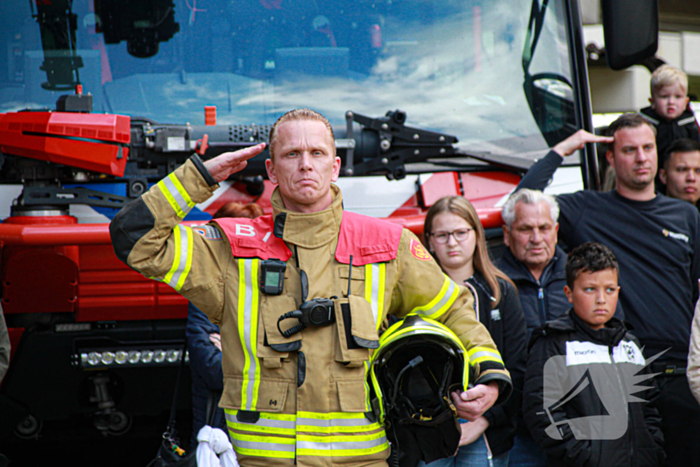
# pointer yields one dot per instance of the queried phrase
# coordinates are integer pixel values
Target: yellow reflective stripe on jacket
(263, 446)
(375, 276)
(248, 330)
(176, 195)
(380, 397)
(335, 422)
(342, 446)
(279, 424)
(368, 406)
(182, 262)
(442, 302)
(482, 354)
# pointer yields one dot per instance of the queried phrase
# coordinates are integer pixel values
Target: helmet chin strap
(412, 364)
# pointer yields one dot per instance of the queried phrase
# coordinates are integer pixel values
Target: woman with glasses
(455, 237)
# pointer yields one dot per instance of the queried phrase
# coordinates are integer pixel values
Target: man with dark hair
(681, 170)
(656, 240)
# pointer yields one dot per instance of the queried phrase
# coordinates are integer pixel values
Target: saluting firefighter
(299, 297)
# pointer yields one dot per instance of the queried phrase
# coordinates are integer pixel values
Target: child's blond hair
(667, 75)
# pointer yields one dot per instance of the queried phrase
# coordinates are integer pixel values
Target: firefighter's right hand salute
(224, 165)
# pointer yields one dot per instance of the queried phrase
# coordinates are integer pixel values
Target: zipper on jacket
(629, 412)
(540, 297)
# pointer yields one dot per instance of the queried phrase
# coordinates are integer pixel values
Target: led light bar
(128, 358)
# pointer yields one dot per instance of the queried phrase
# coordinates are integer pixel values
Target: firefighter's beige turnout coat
(301, 399)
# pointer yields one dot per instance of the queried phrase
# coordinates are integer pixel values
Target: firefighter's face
(594, 296)
(533, 236)
(304, 165)
(454, 255)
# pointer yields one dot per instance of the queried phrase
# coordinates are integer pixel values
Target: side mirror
(631, 29)
(551, 100)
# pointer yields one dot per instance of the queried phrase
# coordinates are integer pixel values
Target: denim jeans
(472, 455)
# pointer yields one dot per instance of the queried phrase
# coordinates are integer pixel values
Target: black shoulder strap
(212, 406)
(178, 383)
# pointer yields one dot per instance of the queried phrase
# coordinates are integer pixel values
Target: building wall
(679, 45)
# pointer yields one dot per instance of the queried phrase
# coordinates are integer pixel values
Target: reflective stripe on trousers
(306, 434)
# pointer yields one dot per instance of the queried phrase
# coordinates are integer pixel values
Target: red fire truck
(103, 98)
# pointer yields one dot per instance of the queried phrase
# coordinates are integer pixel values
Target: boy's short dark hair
(628, 120)
(680, 145)
(589, 257)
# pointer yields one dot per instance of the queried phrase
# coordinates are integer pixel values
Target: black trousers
(680, 420)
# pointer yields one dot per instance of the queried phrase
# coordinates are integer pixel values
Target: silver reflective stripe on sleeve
(448, 294)
(182, 261)
(176, 195)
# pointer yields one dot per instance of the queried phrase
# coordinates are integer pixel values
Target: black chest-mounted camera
(313, 313)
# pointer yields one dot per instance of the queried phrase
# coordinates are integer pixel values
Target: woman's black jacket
(506, 324)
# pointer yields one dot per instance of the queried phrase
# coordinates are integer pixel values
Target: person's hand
(228, 163)
(473, 403)
(215, 339)
(577, 141)
(472, 430)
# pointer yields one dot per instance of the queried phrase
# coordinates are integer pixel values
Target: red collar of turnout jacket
(367, 239)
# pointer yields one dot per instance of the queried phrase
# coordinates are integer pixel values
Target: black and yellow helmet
(418, 364)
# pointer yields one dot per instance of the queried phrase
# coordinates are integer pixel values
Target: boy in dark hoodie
(584, 399)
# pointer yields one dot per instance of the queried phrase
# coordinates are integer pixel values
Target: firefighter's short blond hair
(294, 115)
(667, 75)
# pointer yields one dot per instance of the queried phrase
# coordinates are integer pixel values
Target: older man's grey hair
(527, 196)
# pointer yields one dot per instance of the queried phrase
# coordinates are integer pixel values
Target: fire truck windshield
(456, 67)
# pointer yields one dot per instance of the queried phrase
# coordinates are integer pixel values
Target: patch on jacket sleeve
(418, 250)
(208, 231)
